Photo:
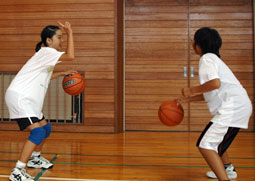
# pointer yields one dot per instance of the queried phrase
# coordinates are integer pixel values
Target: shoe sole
(10, 179)
(40, 167)
(228, 177)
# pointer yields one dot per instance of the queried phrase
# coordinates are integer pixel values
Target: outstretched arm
(58, 74)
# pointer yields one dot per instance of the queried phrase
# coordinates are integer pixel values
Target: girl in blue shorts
(25, 96)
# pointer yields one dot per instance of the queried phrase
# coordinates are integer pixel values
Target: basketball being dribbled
(73, 84)
(171, 113)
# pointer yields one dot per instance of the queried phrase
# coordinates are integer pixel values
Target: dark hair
(47, 32)
(209, 40)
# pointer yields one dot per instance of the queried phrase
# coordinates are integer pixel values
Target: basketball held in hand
(171, 113)
(73, 84)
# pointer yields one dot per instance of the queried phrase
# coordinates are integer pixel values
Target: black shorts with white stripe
(25, 122)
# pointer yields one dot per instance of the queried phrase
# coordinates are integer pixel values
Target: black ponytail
(47, 32)
(38, 46)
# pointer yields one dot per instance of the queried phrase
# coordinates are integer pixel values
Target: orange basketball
(171, 113)
(73, 84)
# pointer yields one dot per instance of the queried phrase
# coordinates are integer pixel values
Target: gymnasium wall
(158, 38)
(157, 51)
(94, 24)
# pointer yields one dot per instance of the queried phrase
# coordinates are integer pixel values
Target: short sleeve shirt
(230, 103)
(28, 89)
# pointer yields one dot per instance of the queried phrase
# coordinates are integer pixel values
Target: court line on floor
(43, 170)
(122, 165)
(55, 178)
(142, 156)
(135, 165)
(130, 165)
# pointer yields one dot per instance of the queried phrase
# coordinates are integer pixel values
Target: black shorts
(25, 122)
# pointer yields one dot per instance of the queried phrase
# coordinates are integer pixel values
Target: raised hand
(66, 27)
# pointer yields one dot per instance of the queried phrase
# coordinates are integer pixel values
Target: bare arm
(69, 54)
(206, 87)
(58, 74)
(195, 98)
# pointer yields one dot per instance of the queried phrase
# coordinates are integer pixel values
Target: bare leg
(225, 158)
(43, 122)
(215, 163)
(28, 146)
(27, 151)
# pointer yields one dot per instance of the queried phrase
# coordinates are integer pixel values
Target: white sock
(36, 154)
(20, 164)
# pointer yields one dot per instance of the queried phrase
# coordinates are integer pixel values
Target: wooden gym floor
(127, 156)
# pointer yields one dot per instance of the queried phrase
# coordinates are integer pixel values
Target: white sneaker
(19, 174)
(39, 162)
(231, 172)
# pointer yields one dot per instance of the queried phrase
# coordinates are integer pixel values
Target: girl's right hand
(66, 27)
(181, 99)
(70, 72)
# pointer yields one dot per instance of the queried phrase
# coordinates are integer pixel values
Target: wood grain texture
(143, 156)
(158, 35)
(95, 34)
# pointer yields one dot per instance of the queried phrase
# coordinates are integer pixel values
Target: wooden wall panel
(157, 40)
(94, 24)
(153, 73)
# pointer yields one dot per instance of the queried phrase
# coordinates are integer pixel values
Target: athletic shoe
(19, 174)
(231, 172)
(39, 162)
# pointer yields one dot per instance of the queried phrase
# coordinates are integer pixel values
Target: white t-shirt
(229, 104)
(25, 95)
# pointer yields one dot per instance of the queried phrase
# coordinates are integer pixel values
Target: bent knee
(47, 129)
(37, 135)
